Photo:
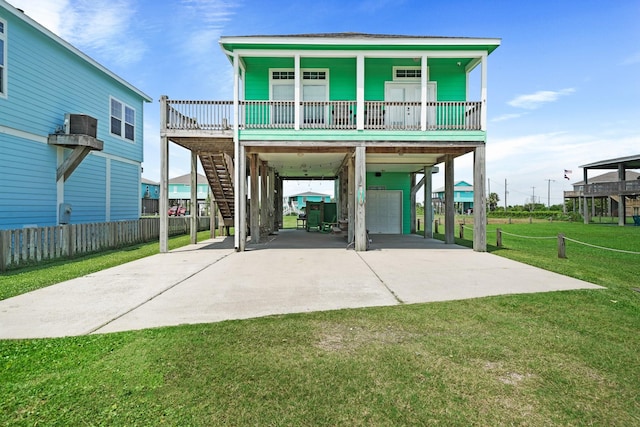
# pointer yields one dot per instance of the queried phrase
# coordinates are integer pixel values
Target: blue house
(462, 198)
(150, 196)
(180, 192)
(71, 131)
(299, 201)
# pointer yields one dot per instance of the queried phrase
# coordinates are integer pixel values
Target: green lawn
(560, 358)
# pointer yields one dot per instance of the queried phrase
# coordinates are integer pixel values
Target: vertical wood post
(361, 199)
(462, 230)
(499, 237)
(351, 198)
(436, 223)
(428, 202)
(562, 252)
(5, 249)
(163, 203)
(254, 206)
(479, 200)
(194, 199)
(264, 199)
(449, 210)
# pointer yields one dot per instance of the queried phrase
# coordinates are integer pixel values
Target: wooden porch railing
(329, 115)
(602, 189)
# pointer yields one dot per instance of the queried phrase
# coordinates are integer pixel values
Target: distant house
(299, 201)
(150, 196)
(610, 190)
(180, 191)
(71, 131)
(462, 198)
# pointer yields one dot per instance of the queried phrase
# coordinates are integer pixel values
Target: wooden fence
(35, 244)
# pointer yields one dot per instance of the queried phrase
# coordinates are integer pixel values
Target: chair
(636, 220)
(328, 226)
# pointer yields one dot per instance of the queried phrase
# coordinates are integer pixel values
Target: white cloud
(634, 58)
(100, 28)
(536, 100)
(505, 117)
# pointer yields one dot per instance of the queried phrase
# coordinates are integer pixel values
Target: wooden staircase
(218, 167)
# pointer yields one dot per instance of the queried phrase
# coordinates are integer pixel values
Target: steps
(218, 167)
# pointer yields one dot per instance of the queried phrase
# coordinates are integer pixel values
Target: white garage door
(384, 211)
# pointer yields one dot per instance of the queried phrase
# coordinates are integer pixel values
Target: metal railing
(328, 115)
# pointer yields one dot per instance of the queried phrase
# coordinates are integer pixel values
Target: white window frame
(408, 79)
(123, 120)
(324, 81)
(4, 73)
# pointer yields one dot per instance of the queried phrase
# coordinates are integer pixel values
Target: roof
(148, 181)
(358, 41)
(458, 186)
(24, 17)
(610, 177)
(186, 179)
(309, 194)
(630, 162)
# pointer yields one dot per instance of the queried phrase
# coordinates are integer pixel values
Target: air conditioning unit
(80, 124)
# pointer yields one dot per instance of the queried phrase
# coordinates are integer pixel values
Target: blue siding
(125, 199)
(85, 190)
(27, 183)
(46, 80)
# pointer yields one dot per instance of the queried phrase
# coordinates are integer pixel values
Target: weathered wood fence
(35, 244)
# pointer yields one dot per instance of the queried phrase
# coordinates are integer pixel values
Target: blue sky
(563, 88)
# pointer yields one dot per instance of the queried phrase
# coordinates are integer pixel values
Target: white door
(282, 113)
(383, 213)
(315, 112)
(408, 116)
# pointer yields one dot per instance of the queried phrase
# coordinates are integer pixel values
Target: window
(408, 73)
(123, 120)
(3, 58)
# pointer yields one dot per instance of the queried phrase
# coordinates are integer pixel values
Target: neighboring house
(180, 191)
(619, 191)
(299, 201)
(71, 131)
(150, 196)
(374, 112)
(462, 198)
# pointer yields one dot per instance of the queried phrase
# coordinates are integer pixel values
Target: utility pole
(533, 197)
(549, 181)
(505, 194)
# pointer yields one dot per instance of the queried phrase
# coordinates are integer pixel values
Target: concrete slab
(299, 272)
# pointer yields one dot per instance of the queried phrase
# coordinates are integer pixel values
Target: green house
(462, 198)
(375, 113)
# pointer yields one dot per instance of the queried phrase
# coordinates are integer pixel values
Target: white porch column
(164, 178)
(360, 92)
(361, 199)
(297, 96)
(483, 93)
(428, 202)
(449, 211)
(193, 231)
(479, 200)
(423, 94)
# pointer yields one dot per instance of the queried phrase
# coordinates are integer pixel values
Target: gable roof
(458, 186)
(610, 177)
(186, 179)
(24, 17)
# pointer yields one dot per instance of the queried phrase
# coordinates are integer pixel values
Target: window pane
(116, 126)
(1, 27)
(1, 52)
(128, 131)
(129, 115)
(116, 109)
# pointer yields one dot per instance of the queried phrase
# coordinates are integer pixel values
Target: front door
(407, 116)
(315, 110)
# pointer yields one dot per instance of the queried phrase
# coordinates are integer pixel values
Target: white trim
(24, 17)
(424, 82)
(286, 53)
(360, 67)
(395, 68)
(297, 91)
(123, 121)
(4, 77)
(22, 134)
(365, 41)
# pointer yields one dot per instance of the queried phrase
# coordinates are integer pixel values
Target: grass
(559, 358)
(19, 281)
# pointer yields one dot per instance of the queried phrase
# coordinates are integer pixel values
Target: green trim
(360, 135)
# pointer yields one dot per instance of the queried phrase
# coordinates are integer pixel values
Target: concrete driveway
(293, 272)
